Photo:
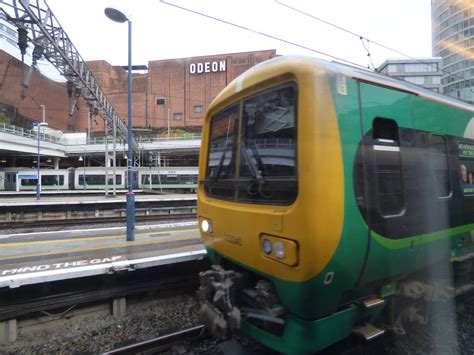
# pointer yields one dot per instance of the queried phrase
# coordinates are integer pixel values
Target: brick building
(41, 91)
(174, 92)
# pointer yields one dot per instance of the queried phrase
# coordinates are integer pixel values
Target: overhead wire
(362, 38)
(368, 53)
(260, 33)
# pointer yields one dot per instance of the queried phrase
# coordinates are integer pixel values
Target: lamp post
(38, 180)
(118, 16)
(83, 158)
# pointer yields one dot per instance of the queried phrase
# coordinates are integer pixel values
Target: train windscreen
(260, 167)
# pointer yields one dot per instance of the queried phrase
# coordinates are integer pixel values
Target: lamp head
(115, 15)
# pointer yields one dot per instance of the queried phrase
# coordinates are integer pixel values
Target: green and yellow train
(326, 191)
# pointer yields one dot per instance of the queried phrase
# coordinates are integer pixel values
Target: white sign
(207, 67)
(62, 265)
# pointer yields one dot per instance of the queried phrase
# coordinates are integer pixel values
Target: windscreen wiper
(258, 159)
(218, 170)
(257, 174)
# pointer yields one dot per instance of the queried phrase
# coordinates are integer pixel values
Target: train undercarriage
(232, 300)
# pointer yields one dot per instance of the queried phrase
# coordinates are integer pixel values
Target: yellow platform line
(101, 247)
(90, 238)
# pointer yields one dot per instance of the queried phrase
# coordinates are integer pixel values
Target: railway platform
(32, 258)
(49, 193)
(63, 209)
(78, 199)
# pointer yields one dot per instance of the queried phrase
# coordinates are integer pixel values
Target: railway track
(174, 214)
(163, 342)
(86, 211)
(32, 299)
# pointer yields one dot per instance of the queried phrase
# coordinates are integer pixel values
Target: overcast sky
(161, 31)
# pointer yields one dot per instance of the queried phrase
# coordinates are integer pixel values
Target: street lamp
(38, 181)
(118, 16)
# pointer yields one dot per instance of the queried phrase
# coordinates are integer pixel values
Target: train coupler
(217, 294)
(218, 323)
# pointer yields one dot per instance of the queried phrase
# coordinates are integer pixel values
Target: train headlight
(280, 249)
(206, 226)
(267, 246)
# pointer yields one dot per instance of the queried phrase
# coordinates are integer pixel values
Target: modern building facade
(8, 34)
(452, 24)
(425, 72)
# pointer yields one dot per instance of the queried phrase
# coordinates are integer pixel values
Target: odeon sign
(207, 67)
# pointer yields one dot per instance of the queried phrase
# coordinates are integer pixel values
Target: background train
(176, 178)
(363, 212)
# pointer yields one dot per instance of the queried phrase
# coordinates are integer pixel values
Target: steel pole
(84, 180)
(130, 195)
(38, 180)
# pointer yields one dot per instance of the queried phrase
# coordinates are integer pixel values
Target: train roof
(386, 80)
(365, 75)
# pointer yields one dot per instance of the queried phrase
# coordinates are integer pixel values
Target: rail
(163, 342)
(26, 214)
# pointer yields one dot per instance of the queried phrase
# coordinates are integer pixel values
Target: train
(333, 202)
(145, 178)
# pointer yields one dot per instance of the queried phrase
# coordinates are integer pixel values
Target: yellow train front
(280, 209)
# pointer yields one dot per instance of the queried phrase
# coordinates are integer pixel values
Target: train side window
(439, 167)
(385, 130)
(388, 167)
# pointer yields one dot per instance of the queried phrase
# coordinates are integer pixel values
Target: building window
(392, 68)
(11, 32)
(240, 61)
(160, 101)
(198, 109)
(177, 116)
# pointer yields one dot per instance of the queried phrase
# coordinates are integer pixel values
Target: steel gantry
(38, 25)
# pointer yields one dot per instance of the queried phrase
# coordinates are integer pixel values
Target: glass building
(425, 72)
(452, 24)
(8, 34)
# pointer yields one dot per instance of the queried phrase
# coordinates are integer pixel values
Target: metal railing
(69, 141)
(29, 133)
(165, 137)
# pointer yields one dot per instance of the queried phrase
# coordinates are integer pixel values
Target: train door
(385, 160)
(135, 179)
(2, 180)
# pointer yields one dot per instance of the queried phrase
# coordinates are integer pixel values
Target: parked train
(176, 178)
(364, 210)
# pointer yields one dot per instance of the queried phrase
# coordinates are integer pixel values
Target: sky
(161, 31)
